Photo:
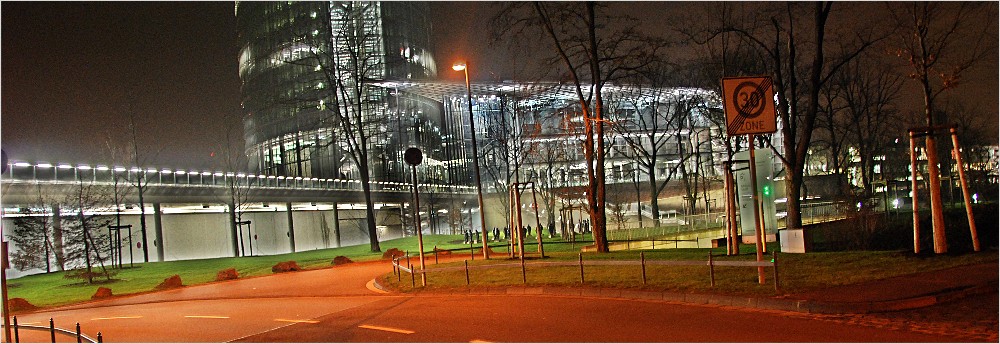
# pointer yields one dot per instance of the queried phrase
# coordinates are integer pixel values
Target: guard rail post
(774, 261)
(17, 338)
(52, 329)
(711, 267)
(78, 339)
(642, 262)
(466, 272)
(524, 276)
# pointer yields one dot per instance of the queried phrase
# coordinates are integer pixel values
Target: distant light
(975, 198)
(206, 173)
(119, 169)
(84, 167)
(44, 165)
(103, 168)
(151, 170)
(241, 175)
(180, 172)
(22, 164)
(135, 169)
(458, 66)
(65, 166)
(895, 203)
(218, 174)
(859, 205)
(166, 171)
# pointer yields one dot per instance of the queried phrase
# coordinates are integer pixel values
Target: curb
(768, 303)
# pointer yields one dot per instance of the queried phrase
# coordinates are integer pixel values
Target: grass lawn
(53, 289)
(798, 272)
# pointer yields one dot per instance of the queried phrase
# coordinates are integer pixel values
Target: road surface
(339, 305)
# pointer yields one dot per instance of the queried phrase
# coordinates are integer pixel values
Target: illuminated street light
(461, 66)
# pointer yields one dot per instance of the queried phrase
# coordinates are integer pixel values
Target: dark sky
(73, 71)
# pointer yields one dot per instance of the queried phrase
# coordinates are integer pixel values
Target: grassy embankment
(798, 272)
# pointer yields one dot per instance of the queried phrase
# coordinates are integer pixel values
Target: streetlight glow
(461, 66)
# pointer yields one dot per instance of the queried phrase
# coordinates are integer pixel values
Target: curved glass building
(300, 64)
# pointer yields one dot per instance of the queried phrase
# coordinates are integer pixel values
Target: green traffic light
(767, 190)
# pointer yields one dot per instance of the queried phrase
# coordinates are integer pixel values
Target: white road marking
(116, 318)
(298, 321)
(479, 341)
(387, 329)
(206, 316)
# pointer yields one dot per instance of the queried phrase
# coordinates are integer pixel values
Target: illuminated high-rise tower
(296, 61)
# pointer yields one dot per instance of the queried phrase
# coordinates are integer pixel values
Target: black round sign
(413, 156)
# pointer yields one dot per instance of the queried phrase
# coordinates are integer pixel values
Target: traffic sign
(749, 105)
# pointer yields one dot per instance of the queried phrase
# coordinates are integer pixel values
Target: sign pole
(756, 211)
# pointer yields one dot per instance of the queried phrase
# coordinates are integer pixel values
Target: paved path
(338, 304)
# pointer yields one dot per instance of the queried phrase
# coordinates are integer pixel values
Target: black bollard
(78, 339)
(100, 339)
(52, 330)
(17, 338)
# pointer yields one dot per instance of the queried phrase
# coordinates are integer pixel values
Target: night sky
(72, 71)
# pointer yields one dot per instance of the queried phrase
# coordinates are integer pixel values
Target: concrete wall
(209, 235)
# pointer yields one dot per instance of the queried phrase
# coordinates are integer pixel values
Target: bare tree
(347, 55)
(33, 236)
(798, 58)
(940, 41)
(590, 60)
(85, 238)
(870, 92)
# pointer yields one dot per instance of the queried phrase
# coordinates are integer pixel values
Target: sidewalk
(892, 294)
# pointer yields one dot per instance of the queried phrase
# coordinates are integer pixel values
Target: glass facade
(300, 64)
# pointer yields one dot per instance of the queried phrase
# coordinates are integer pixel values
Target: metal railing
(53, 330)
(399, 269)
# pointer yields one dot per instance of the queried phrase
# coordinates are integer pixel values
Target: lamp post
(461, 66)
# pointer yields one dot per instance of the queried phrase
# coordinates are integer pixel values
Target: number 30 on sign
(749, 104)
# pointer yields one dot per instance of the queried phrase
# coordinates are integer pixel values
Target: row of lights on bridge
(217, 174)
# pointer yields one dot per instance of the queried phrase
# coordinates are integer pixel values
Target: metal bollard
(581, 268)
(52, 330)
(466, 272)
(642, 261)
(17, 338)
(435, 254)
(711, 267)
(774, 260)
(78, 339)
(524, 276)
(100, 339)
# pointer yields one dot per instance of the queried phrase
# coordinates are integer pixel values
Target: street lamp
(461, 66)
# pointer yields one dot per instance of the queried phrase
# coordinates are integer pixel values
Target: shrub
(285, 267)
(170, 283)
(227, 274)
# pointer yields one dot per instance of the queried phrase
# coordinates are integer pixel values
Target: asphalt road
(335, 305)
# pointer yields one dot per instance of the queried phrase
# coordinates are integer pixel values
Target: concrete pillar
(233, 229)
(57, 238)
(336, 225)
(291, 228)
(158, 231)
